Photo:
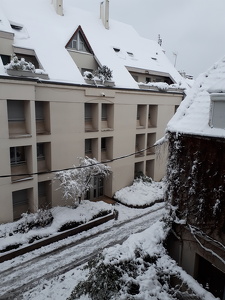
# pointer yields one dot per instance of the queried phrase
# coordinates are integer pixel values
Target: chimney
(58, 5)
(104, 13)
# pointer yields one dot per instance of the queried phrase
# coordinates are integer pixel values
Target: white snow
(149, 241)
(62, 215)
(141, 193)
(192, 116)
(48, 33)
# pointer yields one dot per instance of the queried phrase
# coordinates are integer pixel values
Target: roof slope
(192, 116)
(48, 33)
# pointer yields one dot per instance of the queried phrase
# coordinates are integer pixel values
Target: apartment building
(52, 113)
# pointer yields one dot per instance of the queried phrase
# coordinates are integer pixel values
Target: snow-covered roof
(192, 116)
(47, 33)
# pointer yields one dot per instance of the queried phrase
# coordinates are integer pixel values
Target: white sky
(194, 29)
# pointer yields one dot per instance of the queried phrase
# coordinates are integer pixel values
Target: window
(15, 110)
(217, 110)
(150, 168)
(88, 146)
(104, 112)
(44, 195)
(17, 155)
(88, 111)
(91, 148)
(79, 42)
(39, 110)
(91, 116)
(103, 144)
(20, 203)
(141, 116)
(151, 139)
(140, 145)
(18, 118)
(152, 115)
(42, 116)
(107, 117)
(106, 148)
(5, 59)
(40, 151)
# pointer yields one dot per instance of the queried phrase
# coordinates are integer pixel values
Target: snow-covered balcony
(22, 68)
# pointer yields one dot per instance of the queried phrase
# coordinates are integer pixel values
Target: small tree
(104, 73)
(76, 182)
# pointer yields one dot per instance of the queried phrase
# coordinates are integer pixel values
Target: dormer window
(217, 110)
(79, 42)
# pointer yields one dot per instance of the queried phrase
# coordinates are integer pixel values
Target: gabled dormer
(81, 51)
(79, 42)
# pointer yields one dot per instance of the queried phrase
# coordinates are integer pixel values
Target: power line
(79, 167)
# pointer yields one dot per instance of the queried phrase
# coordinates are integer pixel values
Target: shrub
(20, 64)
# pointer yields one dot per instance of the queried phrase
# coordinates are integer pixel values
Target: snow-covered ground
(146, 229)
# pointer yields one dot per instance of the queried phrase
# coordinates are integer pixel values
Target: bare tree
(75, 182)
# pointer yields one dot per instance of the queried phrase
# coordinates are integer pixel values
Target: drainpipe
(58, 5)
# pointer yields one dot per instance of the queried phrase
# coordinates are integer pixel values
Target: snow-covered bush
(103, 73)
(142, 193)
(88, 75)
(20, 64)
(138, 269)
(41, 218)
(75, 182)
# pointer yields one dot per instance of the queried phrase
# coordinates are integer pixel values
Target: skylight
(116, 49)
(130, 54)
(16, 26)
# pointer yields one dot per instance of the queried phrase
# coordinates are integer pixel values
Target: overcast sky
(194, 29)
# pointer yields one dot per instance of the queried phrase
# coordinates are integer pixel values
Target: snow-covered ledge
(22, 68)
(27, 73)
(160, 86)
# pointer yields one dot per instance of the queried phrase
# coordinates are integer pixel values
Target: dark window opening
(17, 155)
(210, 277)
(15, 110)
(39, 110)
(5, 59)
(88, 146)
(104, 112)
(103, 144)
(40, 151)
